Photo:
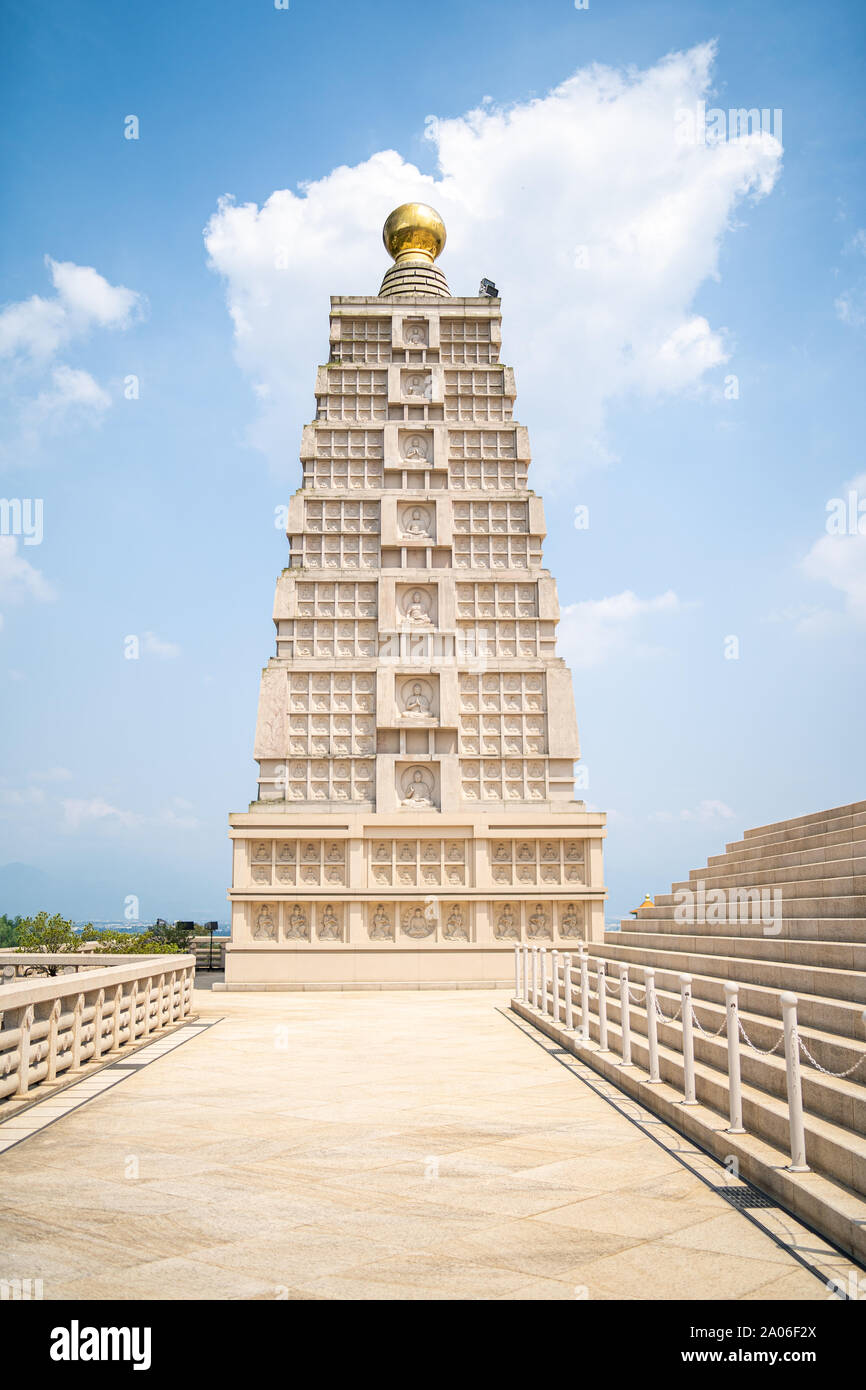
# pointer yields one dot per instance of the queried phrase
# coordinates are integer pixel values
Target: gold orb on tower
(414, 234)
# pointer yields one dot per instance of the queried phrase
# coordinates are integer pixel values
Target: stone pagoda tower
(416, 736)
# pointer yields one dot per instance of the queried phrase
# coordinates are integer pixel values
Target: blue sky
(117, 775)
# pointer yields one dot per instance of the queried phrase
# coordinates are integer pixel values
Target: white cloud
(151, 645)
(704, 812)
(840, 560)
(592, 632)
(594, 166)
(78, 813)
(48, 396)
(38, 328)
(19, 580)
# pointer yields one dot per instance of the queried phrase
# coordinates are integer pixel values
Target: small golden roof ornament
(647, 902)
(414, 234)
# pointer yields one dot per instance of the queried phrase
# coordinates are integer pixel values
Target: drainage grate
(743, 1197)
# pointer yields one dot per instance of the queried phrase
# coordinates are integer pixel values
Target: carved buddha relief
(418, 788)
(416, 522)
(416, 699)
(265, 928)
(416, 607)
(380, 925)
(416, 448)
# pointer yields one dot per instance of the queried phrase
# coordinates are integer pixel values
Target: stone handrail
(53, 1026)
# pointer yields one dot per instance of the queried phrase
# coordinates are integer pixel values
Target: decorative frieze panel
(335, 552)
(418, 863)
(529, 862)
(496, 552)
(337, 692)
(506, 640)
(344, 600)
(510, 779)
(475, 395)
(355, 394)
(341, 518)
(502, 692)
(301, 863)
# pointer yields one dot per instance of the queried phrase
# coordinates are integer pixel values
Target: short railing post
(554, 981)
(53, 1032)
(798, 1162)
(115, 1022)
(543, 974)
(25, 1027)
(516, 972)
(148, 991)
(602, 1007)
(526, 995)
(584, 995)
(652, 1026)
(689, 1095)
(77, 1024)
(98, 1008)
(535, 977)
(569, 1003)
(735, 1088)
(625, 1015)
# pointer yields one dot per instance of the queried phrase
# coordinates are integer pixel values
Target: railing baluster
(735, 1089)
(689, 1097)
(554, 981)
(584, 995)
(569, 1003)
(798, 1162)
(625, 1016)
(602, 1008)
(652, 1026)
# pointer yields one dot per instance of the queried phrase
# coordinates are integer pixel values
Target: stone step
(831, 955)
(845, 930)
(818, 905)
(817, 849)
(851, 885)
(847, 985)
(853, 808)
(832, 1207)
(735, 876)
(837, 1102)
(825, 824)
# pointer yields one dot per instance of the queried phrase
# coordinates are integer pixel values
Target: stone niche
(417, 698)
(416, 522)
(415, 448)
(417, 786)
(418, 606)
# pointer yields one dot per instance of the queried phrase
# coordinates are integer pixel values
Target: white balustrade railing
(53, 1027)
(562, 976)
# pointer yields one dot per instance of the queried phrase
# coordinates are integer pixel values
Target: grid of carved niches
(334, 518)
(475, 394)
(509, 779)
(322, 638)
(490, 518)
(487, 641)
(364, 340)
(467, 340)
(496, 552)
(297, 922)
(299, 863)
(534, 921)
(331, 715)
(338, 535)
(419, 863)
(332, 620)
(502, 714)
(487, 477)
(350, 459)
(543, 862)
(354, 394)
(420, 921)
(329, 779)
(501, 600)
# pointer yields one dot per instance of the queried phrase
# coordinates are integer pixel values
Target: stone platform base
(249, 968)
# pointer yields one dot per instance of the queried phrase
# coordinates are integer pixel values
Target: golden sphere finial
(414, 234)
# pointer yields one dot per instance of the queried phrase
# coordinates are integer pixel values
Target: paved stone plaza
(377, 1146)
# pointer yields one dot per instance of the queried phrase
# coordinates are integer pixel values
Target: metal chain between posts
(761, 1052)
(826, 1070)
(663, 1016)
(697, 1022)
(633, 997)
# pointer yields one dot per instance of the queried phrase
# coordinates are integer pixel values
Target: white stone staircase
(816, 948)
